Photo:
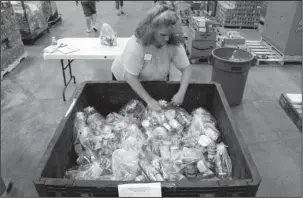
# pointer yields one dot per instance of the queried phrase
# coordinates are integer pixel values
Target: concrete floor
(31, 106)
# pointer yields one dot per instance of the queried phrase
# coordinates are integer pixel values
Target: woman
(150, 52)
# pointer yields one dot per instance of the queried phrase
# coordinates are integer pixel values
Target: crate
(238, 14)
(292, 105)
(110, 96)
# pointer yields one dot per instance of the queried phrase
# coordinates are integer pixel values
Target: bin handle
(202, 49)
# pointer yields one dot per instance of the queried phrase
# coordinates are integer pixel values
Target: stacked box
(201, 38)
(30, 18)
(239, 13)
(212, 7)
(12, 46)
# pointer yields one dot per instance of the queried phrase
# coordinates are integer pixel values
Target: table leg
(70, 74)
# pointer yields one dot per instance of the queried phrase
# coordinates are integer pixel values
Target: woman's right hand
(154, 105)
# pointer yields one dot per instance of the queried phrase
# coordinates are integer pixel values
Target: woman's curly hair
(163, 13)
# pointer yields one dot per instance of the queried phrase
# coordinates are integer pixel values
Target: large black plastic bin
(107, 97)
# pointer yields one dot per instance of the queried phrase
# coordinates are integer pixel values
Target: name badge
(147, 57)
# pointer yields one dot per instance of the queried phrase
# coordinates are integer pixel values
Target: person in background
(149, 53)
(119, 7)
(90, 13)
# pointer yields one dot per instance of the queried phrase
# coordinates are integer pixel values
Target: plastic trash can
(231, 73)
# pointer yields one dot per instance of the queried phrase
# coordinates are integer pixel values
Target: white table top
(89, 48)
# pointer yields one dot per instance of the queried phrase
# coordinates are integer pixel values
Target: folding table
(88, 49)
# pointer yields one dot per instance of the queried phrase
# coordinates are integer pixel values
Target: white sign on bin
(140, 190)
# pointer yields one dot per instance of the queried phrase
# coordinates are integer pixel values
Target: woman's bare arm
(186, 74)
(136, 85)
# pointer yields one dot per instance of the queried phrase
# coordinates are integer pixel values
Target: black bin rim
(228, 61)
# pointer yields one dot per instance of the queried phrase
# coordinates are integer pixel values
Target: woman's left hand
(177, 99)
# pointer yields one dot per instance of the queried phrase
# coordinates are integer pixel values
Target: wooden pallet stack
(240, 14)
(12, 48)
(30, 19)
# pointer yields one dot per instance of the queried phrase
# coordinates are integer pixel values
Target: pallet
(267, 53)
(240, 27)
(264, 52)
(32, 40)
(54, 21)
(14, 64)
(292, 105)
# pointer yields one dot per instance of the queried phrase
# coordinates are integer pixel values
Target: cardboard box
(197, 35)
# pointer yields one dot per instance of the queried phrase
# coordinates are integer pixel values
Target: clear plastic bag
(79, 124)
(108, 36)
(132, 138)
(204, 168)
(124, 165)
(89, 111)
(149, 171)
(134, 109)
(204, 115)
(85, 172)
(223, 161)
(179, 114)
(191, 155)
(97, 124)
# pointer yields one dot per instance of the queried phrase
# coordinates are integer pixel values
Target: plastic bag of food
(204, 115)
(131, 143)
(108, 146)
(79, 124)
(132, 138)
(134, 109)
(90, 141)
(106, 178)
(141, 178)
(178, 114)
(223, 161)
(190, 141)
(85, 158)
(176, 177)
(86, 172)
(97, 122)
(125, 165)
(191, 155)
(211, 151)
(172, 167)
(204, 168)
(164, 149)
(149, 171)
(157, 164)
(195, 129)
(118, 122)
(211, 131)
(93, 172)
(107, 35)
(89, 111)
